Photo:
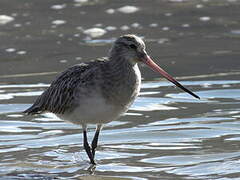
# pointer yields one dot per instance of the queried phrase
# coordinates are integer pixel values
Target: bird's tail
(32, 110)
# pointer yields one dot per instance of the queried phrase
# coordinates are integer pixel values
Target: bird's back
(59, 97)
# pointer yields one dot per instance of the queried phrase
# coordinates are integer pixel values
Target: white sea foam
(58, 6)
(58, 22)
(128, 9)
(4, 19)
(95, 32)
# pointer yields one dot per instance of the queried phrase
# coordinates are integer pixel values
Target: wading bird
(98, 92)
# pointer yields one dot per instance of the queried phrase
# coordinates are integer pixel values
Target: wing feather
(60, 96)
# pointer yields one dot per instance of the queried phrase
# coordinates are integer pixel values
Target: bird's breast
(123, 89)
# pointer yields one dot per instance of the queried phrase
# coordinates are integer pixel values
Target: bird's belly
(93, 110)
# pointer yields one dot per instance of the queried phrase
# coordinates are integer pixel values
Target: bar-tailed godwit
(100, 91)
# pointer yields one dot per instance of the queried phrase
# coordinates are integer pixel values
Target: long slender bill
(155, 67)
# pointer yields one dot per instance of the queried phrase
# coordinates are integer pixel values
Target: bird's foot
(91, 169)
(92, 162)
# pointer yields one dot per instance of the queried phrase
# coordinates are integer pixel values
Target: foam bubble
(58, 22)
(95, 32)
(128, 9)
(4, 19)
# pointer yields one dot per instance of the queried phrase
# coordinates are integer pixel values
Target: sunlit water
(165, 134)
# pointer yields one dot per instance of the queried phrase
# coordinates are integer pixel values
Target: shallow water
(166, 134)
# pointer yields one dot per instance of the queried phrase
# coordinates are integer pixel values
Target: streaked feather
(61, 94)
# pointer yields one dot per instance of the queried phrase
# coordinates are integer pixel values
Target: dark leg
(87, 147)
(95, 139)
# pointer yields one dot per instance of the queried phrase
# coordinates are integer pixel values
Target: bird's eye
(133, 46)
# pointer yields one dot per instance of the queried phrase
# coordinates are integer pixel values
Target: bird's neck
(119, 69)
(122, 80)
(121, 61)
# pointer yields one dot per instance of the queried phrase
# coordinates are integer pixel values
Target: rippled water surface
(166, 134)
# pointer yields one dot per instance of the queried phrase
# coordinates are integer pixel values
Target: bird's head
(129, 47)
(132, 48)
